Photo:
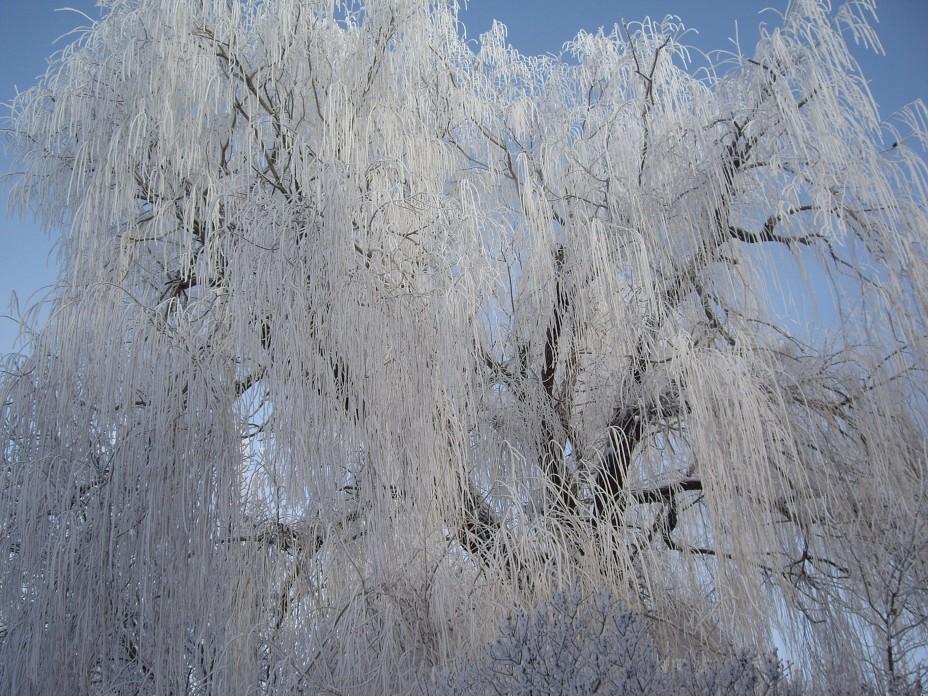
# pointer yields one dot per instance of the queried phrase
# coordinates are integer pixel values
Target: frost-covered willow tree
(368, 336)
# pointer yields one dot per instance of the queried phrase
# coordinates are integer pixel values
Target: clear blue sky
(28, 29)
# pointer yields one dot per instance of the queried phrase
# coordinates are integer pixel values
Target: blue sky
(28, 29)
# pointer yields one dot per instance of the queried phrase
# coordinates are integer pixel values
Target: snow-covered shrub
(577, 644)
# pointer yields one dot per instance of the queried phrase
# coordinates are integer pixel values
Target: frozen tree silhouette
(368, 337)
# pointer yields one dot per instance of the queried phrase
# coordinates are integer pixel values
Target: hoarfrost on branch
(368, 336)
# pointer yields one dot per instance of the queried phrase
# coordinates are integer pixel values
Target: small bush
(588, 645)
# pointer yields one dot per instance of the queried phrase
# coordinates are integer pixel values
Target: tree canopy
(368, 336)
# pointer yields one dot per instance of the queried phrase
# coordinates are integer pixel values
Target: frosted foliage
(587, 645)
(369, 336)
(575, 644)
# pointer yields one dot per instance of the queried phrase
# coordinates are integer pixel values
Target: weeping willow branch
(369, 336)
